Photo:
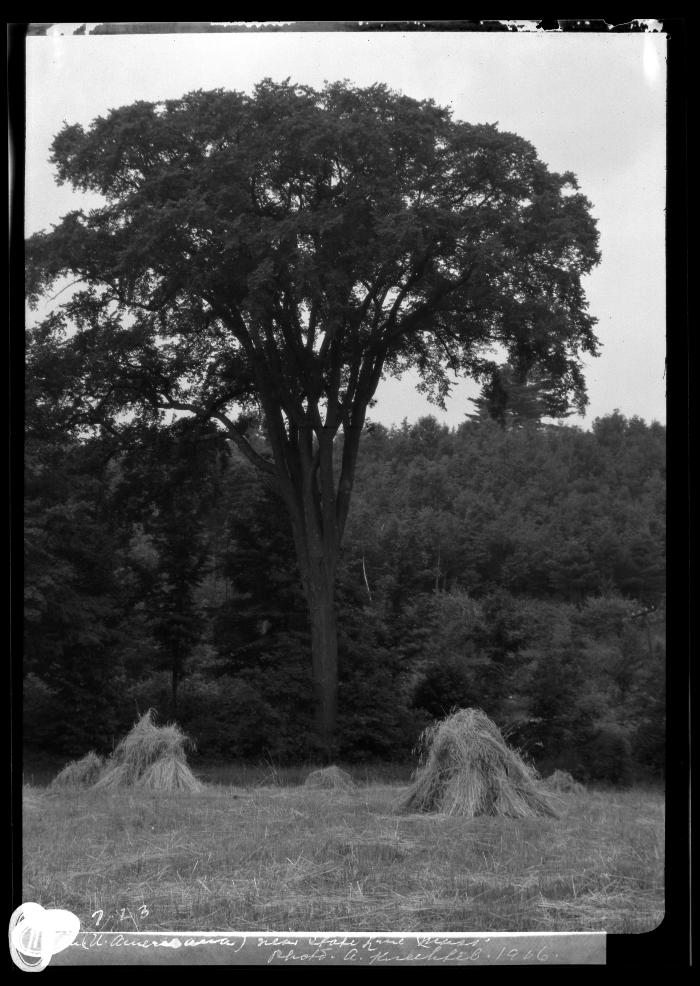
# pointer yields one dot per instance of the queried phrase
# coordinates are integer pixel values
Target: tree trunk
(324, 659)
(174, 682)
(302, 448)
(317, 538)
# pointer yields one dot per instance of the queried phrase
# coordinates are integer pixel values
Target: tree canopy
(296, 243)
(273, 255)
(513, 400)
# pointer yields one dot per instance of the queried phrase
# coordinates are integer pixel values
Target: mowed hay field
(305, 859)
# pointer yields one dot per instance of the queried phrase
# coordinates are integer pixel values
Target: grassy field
(287, 858)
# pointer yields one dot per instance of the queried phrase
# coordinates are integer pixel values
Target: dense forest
(502, 564)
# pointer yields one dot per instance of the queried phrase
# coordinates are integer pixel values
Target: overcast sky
(593, 104)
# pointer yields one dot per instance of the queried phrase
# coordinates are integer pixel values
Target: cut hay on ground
(80, 773)
(561, 780)
(330, 777)
(470, 770)
(151, 757)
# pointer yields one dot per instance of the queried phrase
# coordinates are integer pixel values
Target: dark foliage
(460, 585)
(270, 257)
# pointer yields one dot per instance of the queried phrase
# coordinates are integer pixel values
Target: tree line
(508, 565)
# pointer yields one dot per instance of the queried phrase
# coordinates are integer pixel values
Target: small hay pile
(561, 780)
(80, 773)
(330, 778)
(151, 757)
(468, 769)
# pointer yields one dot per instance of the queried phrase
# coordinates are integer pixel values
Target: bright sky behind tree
(594, 104)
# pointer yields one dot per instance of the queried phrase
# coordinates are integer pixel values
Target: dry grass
(294, 859)
(330, 777)
(80, 773)
(470, 770)
(150, 756)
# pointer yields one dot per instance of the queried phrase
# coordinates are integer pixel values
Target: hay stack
(151, 757)
(470, 770)
(80, 773)
(561, 780)
(330, 777)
